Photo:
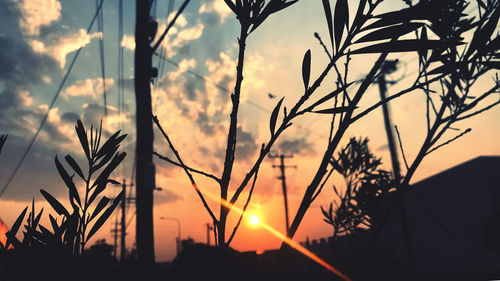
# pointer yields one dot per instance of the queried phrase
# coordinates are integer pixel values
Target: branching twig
(401, 147)
(244, 208)
(187, 167)
(449, 141)
(193, 183)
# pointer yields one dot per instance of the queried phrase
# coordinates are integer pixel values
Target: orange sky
(273, 64)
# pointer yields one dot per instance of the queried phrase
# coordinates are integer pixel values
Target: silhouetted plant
(72, 234)
(365, 185)
(445, 60)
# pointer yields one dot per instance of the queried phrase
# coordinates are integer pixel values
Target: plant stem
(231, 139)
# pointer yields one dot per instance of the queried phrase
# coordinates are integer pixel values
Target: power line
(100, 20)
(58, 92)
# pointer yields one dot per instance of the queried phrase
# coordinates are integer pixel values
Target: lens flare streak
(281, 236)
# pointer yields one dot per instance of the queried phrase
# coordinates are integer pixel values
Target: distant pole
(123, 226)
(388, 67)
(115, 236)
(178, 244)
(145, 31)
(282, 167)
(209, 228)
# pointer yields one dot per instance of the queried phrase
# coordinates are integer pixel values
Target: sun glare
(254, 220)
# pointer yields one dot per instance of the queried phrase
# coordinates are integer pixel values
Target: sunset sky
(39, 38)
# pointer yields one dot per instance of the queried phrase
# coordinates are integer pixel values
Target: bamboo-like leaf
(100, 206)
(306, 69)
(482, 35)
(74, 165)
(82, 136)
(390, 32)
(335, 110)
(341, 20)
(492, 64)
(423, 36)
(447, 68)
(417, 12)
(330, 96)
(53, 222)
(56, 205)
(107, 146)
(68, 181)
(11, 234)
(117, 159)
(104, 217)
(410, 45)
(274, 116)
(360, 12)
(329, 19)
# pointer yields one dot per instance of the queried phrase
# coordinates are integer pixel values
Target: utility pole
(114, 231)
(209, 228)
(145, 31)
(282, 167)
(123, 227)
(388, 67)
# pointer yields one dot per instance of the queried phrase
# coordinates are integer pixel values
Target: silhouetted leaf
(306, 69)
(360, 12)
(82, 136)
(58, 207)
(330, 96)
(447, 68)
(405, 46)
(482, 35)
(100, 206)
(329, 20)
(389, 32)
(341, 20)
(53, 222)
(423, 36)
(274, 116)
(104, 217)
(11, 234)
(74, 165)
(417, 12)
(68, 181)
(339, 109)
(492, 64)
(108, 145)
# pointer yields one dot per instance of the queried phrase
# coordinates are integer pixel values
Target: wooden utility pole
(388, 67)
(282, 167)
(123, 226)
(209, 228)
(145, 31)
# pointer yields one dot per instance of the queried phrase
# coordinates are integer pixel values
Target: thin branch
(170, 24)
(401, 147)
(244, 208)
(193, 183)
(187, 167)
(449, 141)
(479, 111)
(322, 185)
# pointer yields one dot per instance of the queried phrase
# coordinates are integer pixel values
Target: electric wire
(100, 26)
(54, 99)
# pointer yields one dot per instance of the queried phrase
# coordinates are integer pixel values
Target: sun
(254, 220)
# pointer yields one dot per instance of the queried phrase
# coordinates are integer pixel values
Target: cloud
(215, 7)
(246, 145)
(166, 196)
(59, 46)
(88, 87)
(38, 13)
(298, 146)
(128, 42)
